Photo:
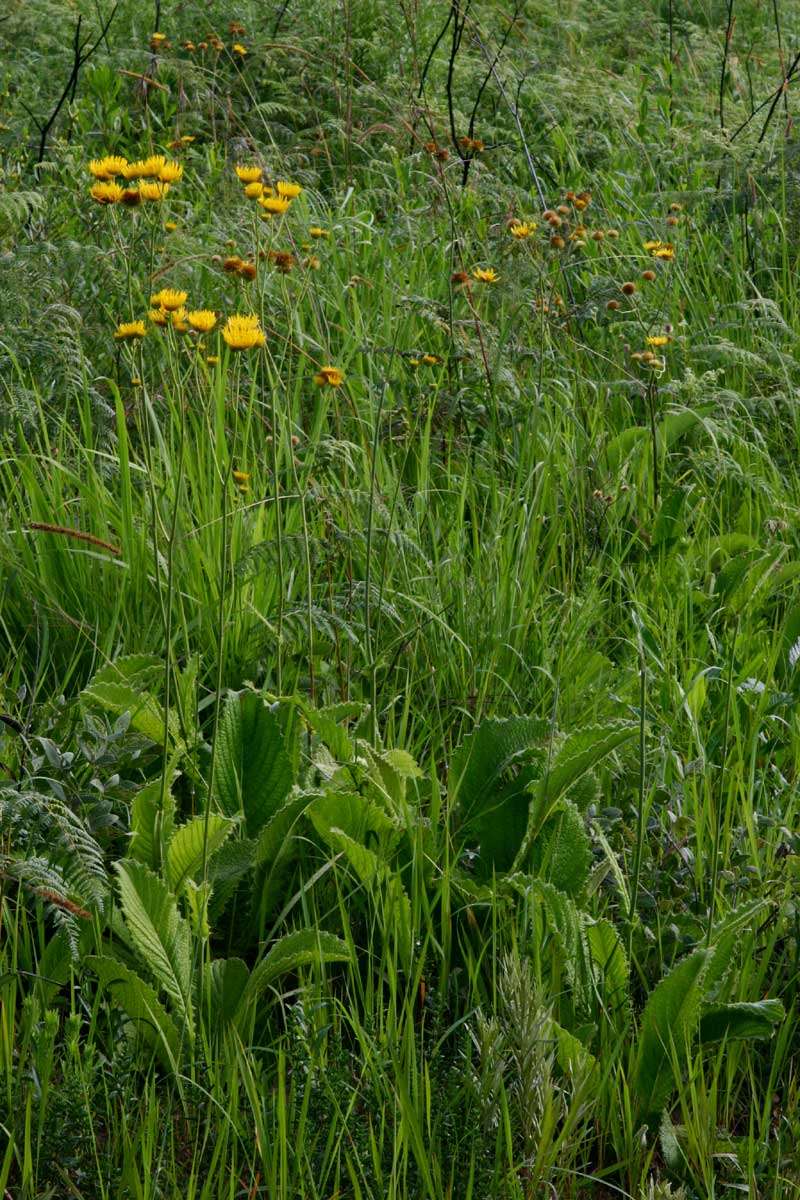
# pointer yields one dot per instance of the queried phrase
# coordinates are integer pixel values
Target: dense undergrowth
(398, 758)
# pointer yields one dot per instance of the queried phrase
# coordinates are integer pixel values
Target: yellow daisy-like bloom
(248, 173)
(170, 226)
(660, 339)
(169, 298)
(241, 476)
(253, 190)
(202, 319)
(289, 191)
(158, 316)
(653, 245)
(485, 275)
(179, 322)
(330, 377)
(665, 252)
(316, 231)
(243, 333)
(153, 166)
(171, 172)
(521, 230)
(430, 359)
(108, 166)
(239, 49)
(150, 190)
(275, 204)
(158, 37)
(130, 331)
(106, 193)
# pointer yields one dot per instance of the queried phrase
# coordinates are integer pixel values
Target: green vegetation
(399, 689)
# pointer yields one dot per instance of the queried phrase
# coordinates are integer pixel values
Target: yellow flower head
(106, 193)
(430, 359)
(243, 333)
(171, 172)
(179, 322)
(241, 476)
(274, 204)
(170, 226)
(153, 166)
(521, 230)
(158, 316)
(330, 377)
(212, 359)
(253, 190)
(660, 339)
(131, 197)
(158, 37)
(130, 331)
(289, 191)
(239, 49)
(202, 319)
(316, 231)
(653, 245)
(107, 167)
(312, 262)
(248, 173)
(666, 252)
(169, 298)
(485, 275)
(150, 190)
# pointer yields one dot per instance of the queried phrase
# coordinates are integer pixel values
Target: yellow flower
(158, 316)
(289, 191)
(107, 167)
(653, 245)
(312, 262)
(253, 190)
(202, 319)
(239, 49)
(179, 322)
(232, 265)
(241, 476)
(243, 333)
(153, 166)
(660, 339)
(170, 226)
(106, 193)
(212, 359)
(248, 173)
(171, 172)
(485, 275)
(130, 330)
(158, 37)
(131, 197)
(666, 252)
(430, 359)
(330, 376)
(169, 298)
(274, 204)
(150, 190)
(520, 229)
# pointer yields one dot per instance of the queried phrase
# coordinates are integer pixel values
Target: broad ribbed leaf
(159, 933)
(669, 1023)
(140, 1003)
(579, 753)
(610, 968)
(193, 844)
(306, 947)
(736, 1021)
(562, 853)
(151, 823)
(253, 774)
(227, 983)
(360, 818)
(274, 837)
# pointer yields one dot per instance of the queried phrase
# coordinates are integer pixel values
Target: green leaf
(305, 948)
(563, 853)
(611, 968)
(159, 933)
(140, 1003)
(669, 1023)
(151, 826)
(579, 753)
(734, 1022)
(226, 984)
(193, 843)
(275, 838)
(572, 1056)
(375, 874)
(254, 772)
(360, 818)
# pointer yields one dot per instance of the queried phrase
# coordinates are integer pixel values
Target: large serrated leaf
(152, 822)
(611, 968)
(159, 933)
(306, 947)
(141, 1005)
(579, 753)
(254, 773)
(192, 845)
(669, 1023)
(563, 853)
(226, 985)
(743, 1020)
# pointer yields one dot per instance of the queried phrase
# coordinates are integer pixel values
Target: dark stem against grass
(652, 396)
(724, 68)
(81, 53)
(469, 156)
(514, 110)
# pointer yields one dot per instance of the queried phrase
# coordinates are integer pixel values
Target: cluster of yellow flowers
(274, 201)
(153, 177)
(167, 307)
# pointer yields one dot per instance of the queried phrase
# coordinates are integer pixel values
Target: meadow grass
(399, 763)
